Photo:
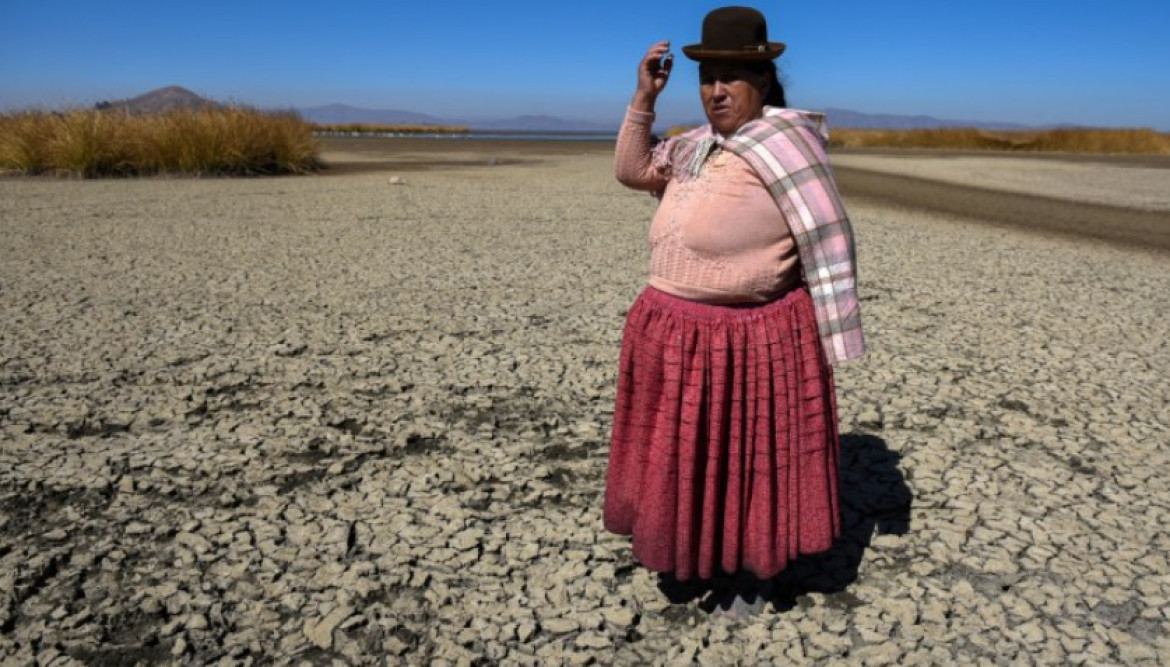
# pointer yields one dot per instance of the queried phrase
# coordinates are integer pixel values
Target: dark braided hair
(767, 71)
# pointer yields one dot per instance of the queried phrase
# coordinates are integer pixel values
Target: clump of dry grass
(1077, 140)
(379, 128)
(1139, 141)
(233, 141)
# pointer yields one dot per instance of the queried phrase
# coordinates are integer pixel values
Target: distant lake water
(499, 136)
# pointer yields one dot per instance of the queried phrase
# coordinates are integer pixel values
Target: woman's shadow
(874, 500)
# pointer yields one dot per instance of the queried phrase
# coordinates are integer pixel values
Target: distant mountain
(541, 124)
(169, 98)
(177, 97)
(343, 113)
(340, 113)
(887, 121)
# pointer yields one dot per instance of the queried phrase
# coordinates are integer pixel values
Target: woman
(724, 448)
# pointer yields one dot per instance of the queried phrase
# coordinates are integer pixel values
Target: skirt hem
(724, 448)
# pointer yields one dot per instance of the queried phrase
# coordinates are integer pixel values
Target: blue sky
(1035, 62)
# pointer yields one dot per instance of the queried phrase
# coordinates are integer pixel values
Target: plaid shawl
(786, 148)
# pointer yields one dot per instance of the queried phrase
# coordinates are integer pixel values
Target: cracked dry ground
(330, 420)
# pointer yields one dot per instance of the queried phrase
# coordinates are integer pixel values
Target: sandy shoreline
(330, 418)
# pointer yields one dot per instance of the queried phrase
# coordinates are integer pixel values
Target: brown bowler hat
(734, 33)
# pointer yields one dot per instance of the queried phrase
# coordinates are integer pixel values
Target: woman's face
(732, 94)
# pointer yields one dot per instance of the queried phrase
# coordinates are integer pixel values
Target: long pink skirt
(724, 449)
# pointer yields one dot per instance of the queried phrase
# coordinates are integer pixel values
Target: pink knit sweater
(717, 238)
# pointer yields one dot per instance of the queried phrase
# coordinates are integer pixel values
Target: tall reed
(233, 141)
(1075, 140)
(1141, 141)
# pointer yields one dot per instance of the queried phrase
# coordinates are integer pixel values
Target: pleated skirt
(724, 450)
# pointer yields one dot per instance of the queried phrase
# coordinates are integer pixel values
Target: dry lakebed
(362, 418)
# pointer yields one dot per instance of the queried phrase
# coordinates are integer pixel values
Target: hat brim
(697, 52)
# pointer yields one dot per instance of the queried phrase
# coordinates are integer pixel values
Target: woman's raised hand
(653, 73)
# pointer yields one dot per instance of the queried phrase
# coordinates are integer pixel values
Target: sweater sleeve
(636, 164)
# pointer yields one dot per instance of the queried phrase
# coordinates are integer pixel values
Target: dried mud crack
(331, 419)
